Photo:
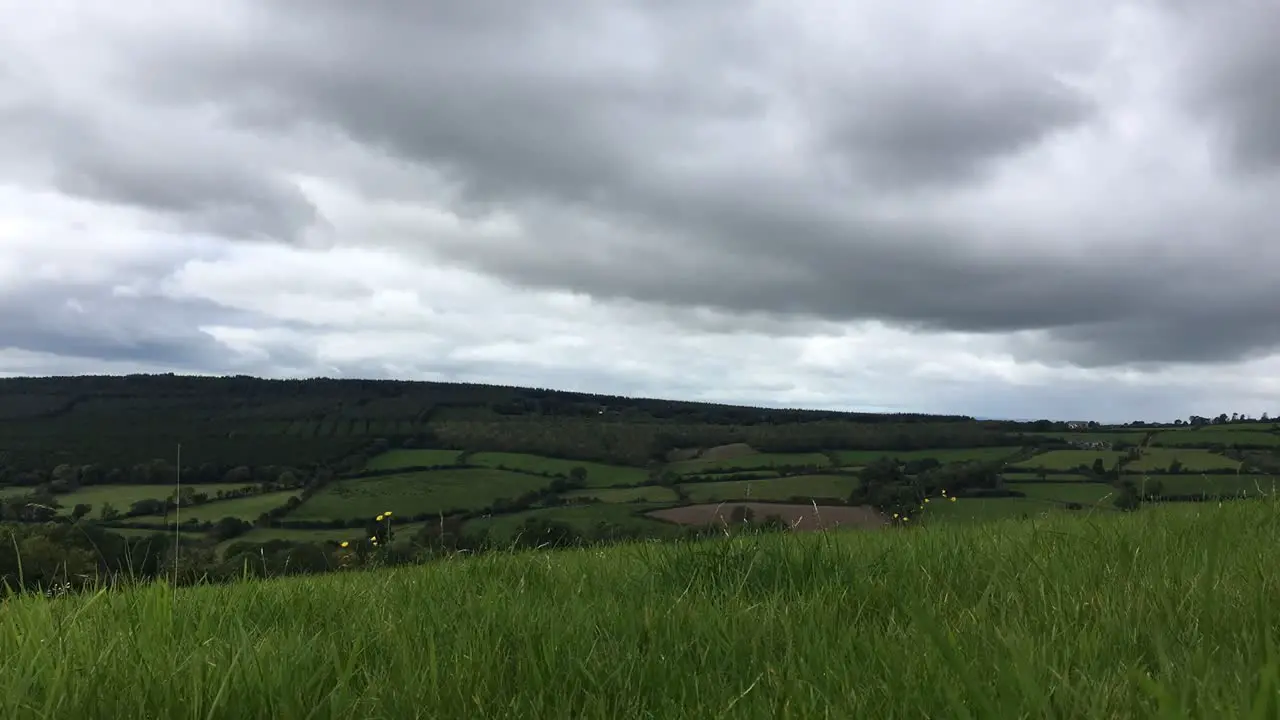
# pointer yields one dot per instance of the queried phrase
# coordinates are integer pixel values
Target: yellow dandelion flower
(373, 538)
(387, 513)
(953, 499)
(344, 543)
(895, 516)
(926, 499)
(906, 519)
(379, 518)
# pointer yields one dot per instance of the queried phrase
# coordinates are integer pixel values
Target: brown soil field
(799, 517)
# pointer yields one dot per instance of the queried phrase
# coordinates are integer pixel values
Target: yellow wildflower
(379, 518)
(953, 499)
(344, 544)
(387, 513)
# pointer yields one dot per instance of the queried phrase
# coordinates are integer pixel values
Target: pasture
(1165, 613)
(393, 459)
(755, 461)
(800, 517)
(988, 509)
(644, 493)
(432, 491)
(502, 529)
(599, 475)
(1085, 493)
(942, 455)
(245, 508)
(817, 487)
(122, 496)
(1160, 458)
(1187, 484)
(1216, 436)
(1070, 459)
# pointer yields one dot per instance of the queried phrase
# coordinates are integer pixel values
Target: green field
(1159, 614)
(15, 491)
(393, 459)
(429, 491)
(503, 528)
(942, 455)
(122, 496)
(1048, 476)
(1157, 459)
(1215, 436)
(1070, 459)
(1211, 484)
(1134, 437)
(817, 487)
(647, 493)
(264, 535)
(245, 508)
(598, 474)
(755, 461)
(986, 509)
(1085, 493)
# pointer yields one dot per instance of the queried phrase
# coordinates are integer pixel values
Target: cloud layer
(1000, 210)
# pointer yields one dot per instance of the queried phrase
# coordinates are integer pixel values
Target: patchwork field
(1048, 476)
(1085, 493)
(263, 535)
(798, 516)
(645, 493)
(504, 528)
(818, 487)
(598, 474)
(393, 459)
(246, 508)
(431, 491)
(1157, 459)
(1216, 436)
(987, 509)
(756, 461)
(942, 455)
(1070, 459)
(122, 496)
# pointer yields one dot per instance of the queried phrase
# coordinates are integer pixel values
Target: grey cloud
(94, 324)
(580, 118)
(1232, 66)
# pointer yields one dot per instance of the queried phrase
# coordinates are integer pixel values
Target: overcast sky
(1056, 209)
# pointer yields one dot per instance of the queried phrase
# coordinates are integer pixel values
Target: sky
(1061, 209)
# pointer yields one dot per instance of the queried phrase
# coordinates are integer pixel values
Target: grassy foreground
(1170, 612)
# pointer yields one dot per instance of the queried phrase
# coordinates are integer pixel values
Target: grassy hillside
(1161, 614)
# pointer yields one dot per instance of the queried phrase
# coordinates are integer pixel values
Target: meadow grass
(986, 509)
(299, 535)
(1085, 493)
(1048, 476)
(755, 461)
(1210, 436)
(412, 493)
(818, 487)
(245, 508)
(1210, 484)
(646, 493)
(1070, 459)
(1134, 437)
(1193, 460)
(392, 459)
(1163, 613)
(598, 474)
(942, 455)
(502, 529)
(122, 496)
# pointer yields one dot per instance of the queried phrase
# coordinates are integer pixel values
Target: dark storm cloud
(91, 323)
(1233, 66)
(589, 121)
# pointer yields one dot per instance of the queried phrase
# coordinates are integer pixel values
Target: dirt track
(800, 517)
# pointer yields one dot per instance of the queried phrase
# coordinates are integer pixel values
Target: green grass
(393, 459)
(245, 508)
(1084, 615)
(15, 491)
(942, 455)
(1210, 484)
(598, 474)
(1085, 493)
(648, 493)
(756, 461)
(818, 487)
(1049, 476)
(503, 528)
(430, 491)
(1133, 437)
(264, 535)
(1215, 436)
(1156, 459)
(987, 509)
(1070, 459)
(122, 496)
